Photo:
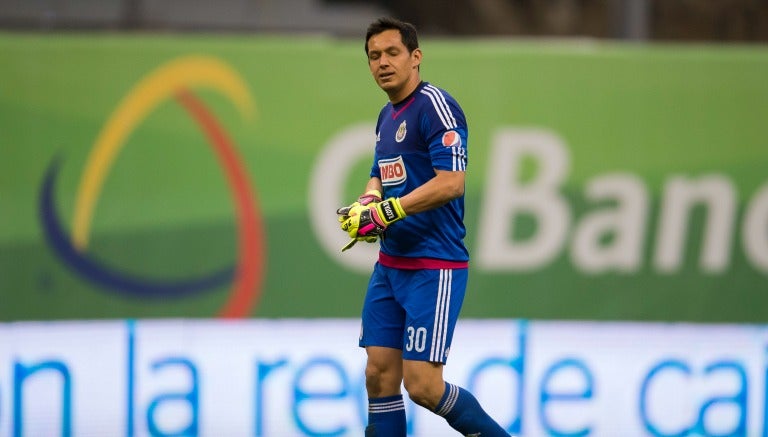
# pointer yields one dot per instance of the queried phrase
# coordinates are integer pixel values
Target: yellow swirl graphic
(159, 85)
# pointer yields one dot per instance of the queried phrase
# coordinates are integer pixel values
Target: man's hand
(373, 219)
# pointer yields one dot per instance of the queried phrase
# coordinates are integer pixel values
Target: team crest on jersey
(451, 139)
(401, 131)
(392, 171)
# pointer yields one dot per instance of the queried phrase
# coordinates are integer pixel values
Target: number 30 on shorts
(417, 339)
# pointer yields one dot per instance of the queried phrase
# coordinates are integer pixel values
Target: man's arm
(372, 221)
(441, 189)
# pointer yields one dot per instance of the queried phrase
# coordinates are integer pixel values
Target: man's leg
(426, 387)
(381, 334)
(383, 376)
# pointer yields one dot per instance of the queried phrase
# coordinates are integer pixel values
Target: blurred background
(640, 20)
(169, 252)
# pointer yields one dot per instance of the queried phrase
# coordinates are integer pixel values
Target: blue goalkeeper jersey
(424, 132)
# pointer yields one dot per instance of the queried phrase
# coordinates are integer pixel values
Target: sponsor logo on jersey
(392, 171)
(401, 131)
(451, 138)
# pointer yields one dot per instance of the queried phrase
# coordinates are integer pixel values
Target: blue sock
(386, 417)
(462, 411)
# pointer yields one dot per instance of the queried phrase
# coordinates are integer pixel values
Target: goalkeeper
(414, 206)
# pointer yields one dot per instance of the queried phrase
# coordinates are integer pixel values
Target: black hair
(408, 33)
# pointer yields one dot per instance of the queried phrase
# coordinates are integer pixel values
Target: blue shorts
(413, 310)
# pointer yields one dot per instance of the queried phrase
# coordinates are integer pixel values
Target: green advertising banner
(198, 176)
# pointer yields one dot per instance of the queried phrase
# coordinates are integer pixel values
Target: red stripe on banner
(246, 290)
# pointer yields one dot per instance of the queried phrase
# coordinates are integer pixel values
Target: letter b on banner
(507, 196)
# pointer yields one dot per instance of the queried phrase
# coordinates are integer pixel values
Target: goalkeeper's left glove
(374, 220)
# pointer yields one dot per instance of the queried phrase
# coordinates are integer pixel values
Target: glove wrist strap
(391, 210)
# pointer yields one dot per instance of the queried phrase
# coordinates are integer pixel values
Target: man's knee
(425, 385)
(425, 394)
(375, 375)
(383, 373)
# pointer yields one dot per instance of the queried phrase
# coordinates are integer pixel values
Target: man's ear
(416, 55)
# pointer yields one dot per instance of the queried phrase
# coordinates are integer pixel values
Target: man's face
(392, 66)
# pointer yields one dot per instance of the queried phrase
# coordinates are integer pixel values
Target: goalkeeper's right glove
(345, 212)
(370, 196)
